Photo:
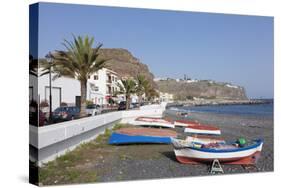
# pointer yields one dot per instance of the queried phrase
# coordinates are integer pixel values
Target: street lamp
(49, 60)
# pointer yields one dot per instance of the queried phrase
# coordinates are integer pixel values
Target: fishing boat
(153, 122)
(202, 129)
(225, 153)
(142, 135)
(185, 123)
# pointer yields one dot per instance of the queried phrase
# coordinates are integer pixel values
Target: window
(93, 87)
(96, 77)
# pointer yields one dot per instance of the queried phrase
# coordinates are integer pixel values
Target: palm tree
(127, 87)
(142, 86)
(79, 61)
(152, 93)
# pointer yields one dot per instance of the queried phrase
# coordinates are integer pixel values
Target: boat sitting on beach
(142, 135)
(153, 122)
(185, 123)
(202, 129)
(225, 153)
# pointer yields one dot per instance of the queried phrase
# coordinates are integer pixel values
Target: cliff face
(125, 64)
(204, 89)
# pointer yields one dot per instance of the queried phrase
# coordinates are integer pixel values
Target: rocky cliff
(125, 64)
(188, 89)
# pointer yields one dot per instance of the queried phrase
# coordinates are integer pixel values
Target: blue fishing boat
(141, 135)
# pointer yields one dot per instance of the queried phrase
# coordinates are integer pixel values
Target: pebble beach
(150, 161)
(246, 126)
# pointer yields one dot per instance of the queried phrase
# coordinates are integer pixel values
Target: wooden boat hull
(183, 123)
(118, 139)
(142, 135)
(153, 122)
(249, 160)
(202, 129)
(134, 131)
(247, 155)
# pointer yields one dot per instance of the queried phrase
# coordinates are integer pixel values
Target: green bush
(89, 102)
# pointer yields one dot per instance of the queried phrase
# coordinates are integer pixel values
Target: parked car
(134, 105)
(66, 113)
(122, 105)
(93, 110)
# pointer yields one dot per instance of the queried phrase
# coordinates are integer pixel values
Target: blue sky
(220, 47)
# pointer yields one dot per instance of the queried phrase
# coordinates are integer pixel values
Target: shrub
(89, 102)
(189, 97)
(111, 101)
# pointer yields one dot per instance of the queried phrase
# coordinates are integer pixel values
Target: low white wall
(47, 143)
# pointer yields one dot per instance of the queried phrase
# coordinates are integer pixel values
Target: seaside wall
(47, 143)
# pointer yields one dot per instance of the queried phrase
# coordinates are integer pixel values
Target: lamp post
(49, 60)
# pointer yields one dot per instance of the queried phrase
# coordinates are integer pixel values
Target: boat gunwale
(116, 133)
(257, 144)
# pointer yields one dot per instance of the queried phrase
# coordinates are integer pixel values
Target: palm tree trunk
(128, 101)
(83, 85)
(140, 100)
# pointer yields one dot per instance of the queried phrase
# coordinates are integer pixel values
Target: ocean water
(253, 109)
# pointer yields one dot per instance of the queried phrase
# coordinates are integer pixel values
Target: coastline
(217, 102)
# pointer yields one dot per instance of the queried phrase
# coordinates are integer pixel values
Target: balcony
(109, 81)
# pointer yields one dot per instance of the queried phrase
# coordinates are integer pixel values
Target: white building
(101, 86)
(165, 97)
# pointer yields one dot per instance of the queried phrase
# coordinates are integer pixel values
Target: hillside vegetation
(201, 89)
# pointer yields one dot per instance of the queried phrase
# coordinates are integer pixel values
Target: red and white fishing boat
(202, 129)
(185, 123)
(153, 122)
(225, 153)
